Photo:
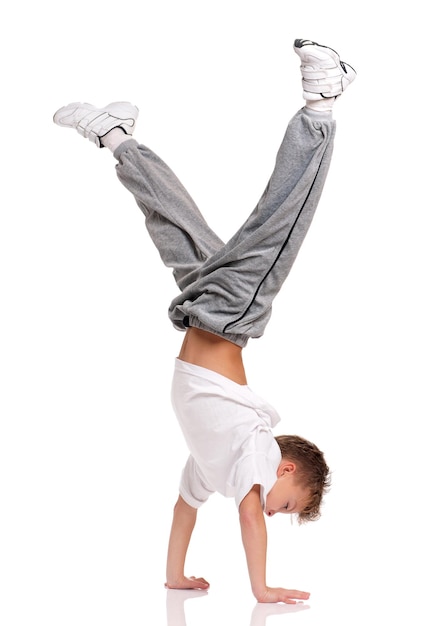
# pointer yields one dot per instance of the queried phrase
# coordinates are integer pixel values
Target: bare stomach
(214, 353)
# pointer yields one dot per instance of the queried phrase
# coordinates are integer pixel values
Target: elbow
(251, 518)
(248, 518)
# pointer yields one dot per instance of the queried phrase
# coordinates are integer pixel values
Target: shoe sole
(303, 43)
(349, 73)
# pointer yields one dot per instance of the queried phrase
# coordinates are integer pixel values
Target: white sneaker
(323, 74)
(94, 123)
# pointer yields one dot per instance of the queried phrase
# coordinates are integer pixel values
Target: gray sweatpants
(228, 288)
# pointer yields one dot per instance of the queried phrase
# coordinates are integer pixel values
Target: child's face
(286, 496)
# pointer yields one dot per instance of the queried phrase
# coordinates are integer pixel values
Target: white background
(90, 452)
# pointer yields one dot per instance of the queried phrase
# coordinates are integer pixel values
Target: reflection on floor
(176, 599)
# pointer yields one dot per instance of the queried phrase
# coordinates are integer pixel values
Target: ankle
(325, 104)
(114, 138)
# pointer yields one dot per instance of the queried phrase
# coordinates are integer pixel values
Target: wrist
(174, 575)
(259, 591)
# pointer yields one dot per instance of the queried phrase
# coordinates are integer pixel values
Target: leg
(229, 289)
(232, 292)
(183, 238)
(177, 228)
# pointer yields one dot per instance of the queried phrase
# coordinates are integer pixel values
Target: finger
(200, 582)
(299, 595)
(199, 579)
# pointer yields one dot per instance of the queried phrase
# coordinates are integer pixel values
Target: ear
(286, 467)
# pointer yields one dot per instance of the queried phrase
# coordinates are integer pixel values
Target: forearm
(254, 537)
(184, 519)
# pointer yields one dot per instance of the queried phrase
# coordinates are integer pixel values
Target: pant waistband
(239, 340)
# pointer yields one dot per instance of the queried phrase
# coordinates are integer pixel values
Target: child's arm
(254, 536)
(184, 518)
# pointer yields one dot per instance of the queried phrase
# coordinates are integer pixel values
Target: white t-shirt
(228, 432)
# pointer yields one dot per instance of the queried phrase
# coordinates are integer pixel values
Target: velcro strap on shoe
(92, 122)
(309, 74)
(321, 87)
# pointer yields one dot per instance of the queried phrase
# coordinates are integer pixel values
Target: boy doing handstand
(225, 298)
